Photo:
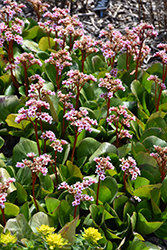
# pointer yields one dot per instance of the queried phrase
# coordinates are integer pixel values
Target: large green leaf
(10, 120)
(21, 194)
(87, 147)
(122, 62)
(161, 232)
(153, 132)
(7, 106)
(105, 148)
(144, 227)
(51, 72)
(137, 244)
(46, 182)
(29, 45)
(51, 204)
(144, 191)
(38, 220)
(21, 150)
(19, 226)
(44, 43)
(64, 212)
(69, 230)
(31, 33)
(152, 140)
(164, 190)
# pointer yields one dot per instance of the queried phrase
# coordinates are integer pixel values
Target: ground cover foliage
(89, 167)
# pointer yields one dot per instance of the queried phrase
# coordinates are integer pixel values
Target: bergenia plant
(102, 164)
(59, 60)
(113, 45)
(80, 121)
(76, 190)
(3, 194)
(11, 30)
(129, 167)
(76, 82)
(159, 87)
(33, 112)
(37, 164)
(26, 60)
(119, 118)
(111, 85)
(161, 157)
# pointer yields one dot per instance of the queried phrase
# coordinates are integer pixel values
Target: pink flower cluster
(112, 85)
(11, 32)
(52, 24)
(36, 93)
(26, 60)
(65, 99)
(134, 41)
(36, 164)
(103, 164)
(120, 115)
(76, 190)
(60, 60)
(77, 80)
(3, 191)
(39, 7)
(129, 167)
(56, 144)
(80, 120)
(86, 45)
(114, 44)
(161, 157)
(162, 53)
(157, 81)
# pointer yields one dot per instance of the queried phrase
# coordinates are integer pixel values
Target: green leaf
(31, 33)
(40, 219)
(111, 184)
(140, 181)
(10, 120)
(46, 182)
(150, 141)
(21, 150)
(51, 72)
(87, 147)
(19, 226)
(144, 191)
(52, 108)
(104, 194)
(137, 89)
(161, 232)
(7, 106)
(164, 190)
(64, 212)
(74, 170)
(129, 208)
(69, 230)
(118, 205)
(44, 43)
(21, 194)
(158, 132)
(144, 227)
(121, 62)
(29, 45)
(137, 244)
(25, 211)
(11, 210)
(51, 204)
(105, 148)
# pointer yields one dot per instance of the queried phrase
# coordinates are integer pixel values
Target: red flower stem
(98, 188)
(3, 216)
(82, 60)
(159, 97)
(75, 211)
(56, 176)
(124, 180)
(34, 177)
(26, 80)
(57, 78)
(77, 98)
(75, 142)
(138, 59)
(36, 136)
